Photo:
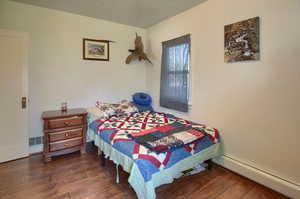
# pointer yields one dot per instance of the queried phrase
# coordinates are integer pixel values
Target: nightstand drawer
(65, 122)
(65, 144)
(63, 135)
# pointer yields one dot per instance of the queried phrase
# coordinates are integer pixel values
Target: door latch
(24, 102)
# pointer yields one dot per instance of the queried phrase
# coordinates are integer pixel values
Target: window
(175, 69)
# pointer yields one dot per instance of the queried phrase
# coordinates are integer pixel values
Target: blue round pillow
(142, 98)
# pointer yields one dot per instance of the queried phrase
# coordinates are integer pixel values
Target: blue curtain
(174, 84)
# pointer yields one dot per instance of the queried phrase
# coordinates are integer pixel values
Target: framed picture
(95, 49)
(242, 41)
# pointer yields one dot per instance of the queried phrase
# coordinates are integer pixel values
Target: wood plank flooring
(78, 176)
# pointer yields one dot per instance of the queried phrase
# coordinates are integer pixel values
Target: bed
(148, 170)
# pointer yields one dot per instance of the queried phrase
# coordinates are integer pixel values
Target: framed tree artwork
(95, 50)
(242, 41)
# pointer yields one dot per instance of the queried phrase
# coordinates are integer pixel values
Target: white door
(13, 86)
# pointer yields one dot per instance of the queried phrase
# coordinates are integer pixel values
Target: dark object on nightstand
(64, 132)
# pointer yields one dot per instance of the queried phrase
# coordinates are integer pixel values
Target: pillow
(125, 107)
(142, 99)
(95, 113)
(106, 108)
(143, 108)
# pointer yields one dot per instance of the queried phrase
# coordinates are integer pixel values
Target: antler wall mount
(138, 51)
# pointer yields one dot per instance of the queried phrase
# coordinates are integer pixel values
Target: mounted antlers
(138, 52)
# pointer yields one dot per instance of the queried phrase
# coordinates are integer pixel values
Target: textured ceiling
(140, 13)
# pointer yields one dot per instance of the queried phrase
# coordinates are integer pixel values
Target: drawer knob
(67, 134)
(67, 123)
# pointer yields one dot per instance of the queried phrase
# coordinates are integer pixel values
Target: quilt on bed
(169, 137)
(115, 130)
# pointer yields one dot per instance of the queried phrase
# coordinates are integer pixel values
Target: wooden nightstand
(64, 132)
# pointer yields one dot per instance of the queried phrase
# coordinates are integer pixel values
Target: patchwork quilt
(115, 130)
(169, 137)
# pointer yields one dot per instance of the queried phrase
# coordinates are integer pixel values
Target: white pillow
(125, 107)
(106, 108)
(96, 113)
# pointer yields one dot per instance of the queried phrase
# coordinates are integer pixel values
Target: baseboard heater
(275, 182)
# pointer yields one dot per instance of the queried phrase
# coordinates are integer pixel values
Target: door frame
(24, 36)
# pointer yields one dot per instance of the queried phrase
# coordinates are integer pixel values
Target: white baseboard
(36, 149)
(279, 184)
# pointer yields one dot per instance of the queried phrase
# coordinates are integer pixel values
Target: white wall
(57, 72)
(254, 104)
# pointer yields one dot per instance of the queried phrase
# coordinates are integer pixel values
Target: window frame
(165, 72)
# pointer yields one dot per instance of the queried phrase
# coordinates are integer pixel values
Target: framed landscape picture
(95, 49)
(242, 41)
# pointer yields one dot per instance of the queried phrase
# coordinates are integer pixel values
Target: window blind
(175, 67)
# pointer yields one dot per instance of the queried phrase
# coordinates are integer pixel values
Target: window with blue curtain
(175, 69)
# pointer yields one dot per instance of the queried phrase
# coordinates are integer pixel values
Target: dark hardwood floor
(78, 176)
